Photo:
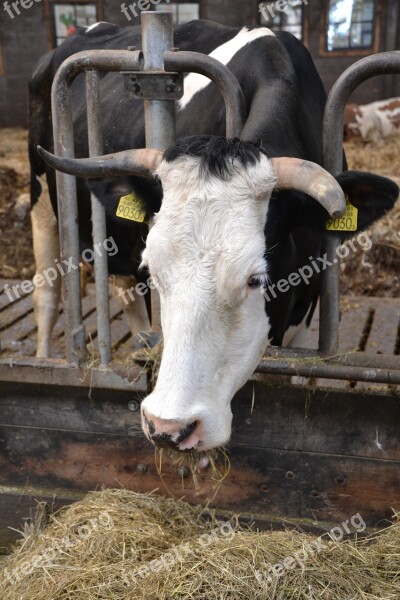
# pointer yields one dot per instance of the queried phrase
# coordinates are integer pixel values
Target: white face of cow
(205, 247)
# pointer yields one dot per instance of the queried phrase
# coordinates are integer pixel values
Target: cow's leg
(132, 302)
(46, 248)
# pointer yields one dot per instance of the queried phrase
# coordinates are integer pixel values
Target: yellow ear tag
(348, 222)
(130, 207)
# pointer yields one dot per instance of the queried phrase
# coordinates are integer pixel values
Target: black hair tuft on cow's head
(216, 153)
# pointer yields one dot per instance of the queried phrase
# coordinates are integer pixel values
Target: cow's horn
(128, 162)
(308, 177)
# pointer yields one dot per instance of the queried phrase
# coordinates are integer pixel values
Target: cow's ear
(372, 195)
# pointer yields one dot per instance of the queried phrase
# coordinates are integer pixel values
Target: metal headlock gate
(154, 74)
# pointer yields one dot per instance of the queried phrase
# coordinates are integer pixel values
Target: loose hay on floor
(95, 549)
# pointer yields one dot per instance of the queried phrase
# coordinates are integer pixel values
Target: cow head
(206, 253)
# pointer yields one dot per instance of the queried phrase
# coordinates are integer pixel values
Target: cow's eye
(256, 281)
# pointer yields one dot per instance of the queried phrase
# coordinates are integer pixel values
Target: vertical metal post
(159, 115)
(68, 220)
(98, 221)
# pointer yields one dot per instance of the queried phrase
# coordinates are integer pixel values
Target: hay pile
(376, 157)
(102, 548)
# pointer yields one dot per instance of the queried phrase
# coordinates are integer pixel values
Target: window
(67, 17)
(182, 11)
(350, 24)
(289, 17)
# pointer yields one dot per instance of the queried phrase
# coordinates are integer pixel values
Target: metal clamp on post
(153, 85)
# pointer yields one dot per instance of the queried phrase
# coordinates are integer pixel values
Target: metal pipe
(68, 220)
(353, 359)
(325, 370)
(223, 78)
(379, 64)
(99, 231)
(159, 115)
(102, 60)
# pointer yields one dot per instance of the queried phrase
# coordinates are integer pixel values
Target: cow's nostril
(169, 438)
(185, 432)
(150, 425)
(163, 440)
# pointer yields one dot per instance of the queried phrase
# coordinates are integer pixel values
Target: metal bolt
(289, 475)
(264, 488)
(183, 472)
(133, 405)
(170, 87)
(141, 468)
(135, 87)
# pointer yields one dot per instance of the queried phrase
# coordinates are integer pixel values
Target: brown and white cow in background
(372, 122)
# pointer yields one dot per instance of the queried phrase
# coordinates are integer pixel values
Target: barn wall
(24, 40)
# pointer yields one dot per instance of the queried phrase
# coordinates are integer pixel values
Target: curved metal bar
(384, 63)
(61, 106)
(224, 79)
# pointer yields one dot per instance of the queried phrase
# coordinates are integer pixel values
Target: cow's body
(372, 122)
(222, 231)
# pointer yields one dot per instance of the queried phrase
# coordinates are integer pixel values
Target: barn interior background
(323, 26)
(279, 472)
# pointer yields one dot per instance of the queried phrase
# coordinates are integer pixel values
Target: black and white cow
(230, 215)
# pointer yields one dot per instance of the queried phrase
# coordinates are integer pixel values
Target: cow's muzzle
(171, 434)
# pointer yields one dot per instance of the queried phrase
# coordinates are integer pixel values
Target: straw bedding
(94, 550)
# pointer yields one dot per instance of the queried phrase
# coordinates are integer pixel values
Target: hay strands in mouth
(212, 465)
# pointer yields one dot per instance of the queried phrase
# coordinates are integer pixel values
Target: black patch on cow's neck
(216, 153)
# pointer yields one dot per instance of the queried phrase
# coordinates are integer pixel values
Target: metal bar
(223, 78)
(55, 371)
(102, 60)
(353, 359)
(68, 220)
(159, 115)
(325, 370)
(379, 64)
(99, 231)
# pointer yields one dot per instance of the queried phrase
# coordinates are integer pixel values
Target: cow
(372, 122)
(230, 215)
